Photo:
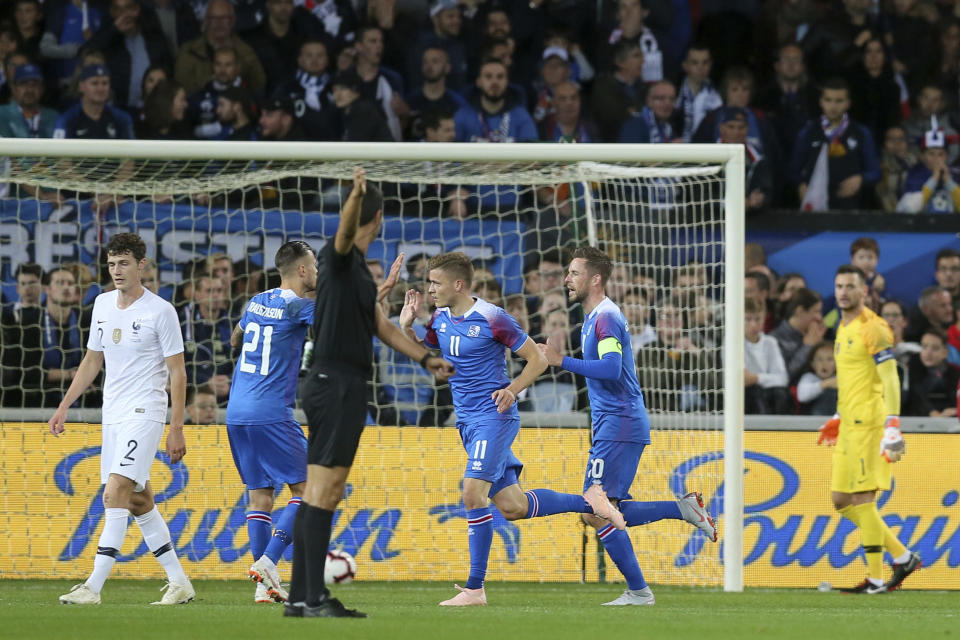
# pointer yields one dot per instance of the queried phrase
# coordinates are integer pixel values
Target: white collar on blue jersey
(599, 306)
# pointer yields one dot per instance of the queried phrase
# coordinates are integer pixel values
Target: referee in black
(334, 395)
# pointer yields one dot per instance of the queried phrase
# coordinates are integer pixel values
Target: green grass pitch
(401, 610)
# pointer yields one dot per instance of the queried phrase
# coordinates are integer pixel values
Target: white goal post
(74, 165)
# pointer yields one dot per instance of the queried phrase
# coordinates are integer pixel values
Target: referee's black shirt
(344, 321)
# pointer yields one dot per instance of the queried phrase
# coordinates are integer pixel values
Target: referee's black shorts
(335, 401)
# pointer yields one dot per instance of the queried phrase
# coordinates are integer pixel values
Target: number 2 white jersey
(134, 342)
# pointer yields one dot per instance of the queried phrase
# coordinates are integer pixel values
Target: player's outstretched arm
(536, 364)
(176, 444)
(86, 373)
(350, 215)
(396, 339)
(606, 368)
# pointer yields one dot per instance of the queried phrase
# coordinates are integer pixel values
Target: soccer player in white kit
(136, 334)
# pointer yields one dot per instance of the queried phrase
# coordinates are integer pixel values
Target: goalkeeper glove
(829, 431)
(892, 446)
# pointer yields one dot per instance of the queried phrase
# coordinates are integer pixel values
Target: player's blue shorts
(613, 465)
(489, 456)
(269, 455)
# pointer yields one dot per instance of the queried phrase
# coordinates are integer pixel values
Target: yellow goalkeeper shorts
(857, 463)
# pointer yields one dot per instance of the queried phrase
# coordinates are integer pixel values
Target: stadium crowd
(843, 105)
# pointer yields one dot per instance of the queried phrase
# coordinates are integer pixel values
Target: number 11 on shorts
(480, 450)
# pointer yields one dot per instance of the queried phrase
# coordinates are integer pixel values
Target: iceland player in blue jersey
(268, 445)
(621, 428)
(473, 336)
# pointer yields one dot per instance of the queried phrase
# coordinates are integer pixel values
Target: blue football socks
(480, 534)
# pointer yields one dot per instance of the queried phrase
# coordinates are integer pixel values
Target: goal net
(213, 216)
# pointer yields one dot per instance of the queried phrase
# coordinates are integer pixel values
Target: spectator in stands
(247, 281)
(697, 94)
(896, 161)
(676, 374)
(433, 95)
(930, 104)
(132, 41)
(895, 313)
(206, 336)
(24, 116)
(195, 59)
(875, 92)
(934, 310)
(913, 41)
(360, 119)
(191, 271)
(311, 92)
(21, 341)
(150, 276)
(758, 286)
(179, 21)
(734, 125)
(516, 306)
(832, 45)
(11, 61)
(444, 33)
(865, 254)
(947, 66)
(835, 163)
(933, 380)
(379, 84)
(338, 18)
(492, 115)
(556, 390)
(800, 331)
(636, 309)
(619, 95)
(789, 99)
(201, 405)
(164, 114)
(27, 18)
(817, 388)
(204, 103)
(67, 26)
(92, 117)
(659, 120)
(62, 339)
(659, 62)
(931, 186)
(784, 290)
(764, 374)
(947, 273)
(277, 121)
(439, 127)
(567, 122)
(235, 113)
(554, 70)
(278, 40)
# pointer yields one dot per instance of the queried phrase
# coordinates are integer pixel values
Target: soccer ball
(340, 567)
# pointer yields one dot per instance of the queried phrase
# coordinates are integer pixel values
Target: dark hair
(29, 268)
(158, 106)
(371, 205)
(945, 253)
(123, 243)
(597, 262)
(813, 352)
(849, 268)
(151, 68)
(45, 280)
(868, 244)
(363, 29)
(902, 307)
(433, 118)
(227, 48)
(456, 264)
(835, 83)
(489, 283)
(802, 298)
(622, 49)
(937, 332)
(490, 60)
(786, 278)
(736, 73)
(289, 253)
(315, 40)
(698, 46)
(763, 282)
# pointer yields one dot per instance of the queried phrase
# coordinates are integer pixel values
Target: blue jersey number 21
(254, 328)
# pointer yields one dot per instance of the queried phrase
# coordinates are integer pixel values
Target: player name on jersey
(275, 313)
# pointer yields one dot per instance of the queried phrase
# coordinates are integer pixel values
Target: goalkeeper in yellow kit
(866, 429)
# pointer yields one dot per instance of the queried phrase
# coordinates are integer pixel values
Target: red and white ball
(340, 567)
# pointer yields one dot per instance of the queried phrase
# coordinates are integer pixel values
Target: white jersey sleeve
(95, 337)
(168, 332)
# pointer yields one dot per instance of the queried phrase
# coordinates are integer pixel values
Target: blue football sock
(259, 525)
(283, 535)
(620, 549)
(544, 502)
(480, 535)
(637, 513)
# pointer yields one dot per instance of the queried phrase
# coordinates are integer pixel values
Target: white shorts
(129, 449)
